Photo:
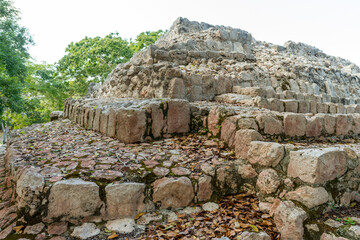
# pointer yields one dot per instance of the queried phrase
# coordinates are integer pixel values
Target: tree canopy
(14, 42)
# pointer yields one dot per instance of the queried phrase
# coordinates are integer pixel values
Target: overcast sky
(331, 25)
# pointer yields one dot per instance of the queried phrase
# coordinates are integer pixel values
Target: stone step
(283, 126)
(288, 105)
(269, 92)
(131, 121)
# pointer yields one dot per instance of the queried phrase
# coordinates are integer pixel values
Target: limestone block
(176, 88)
(208, 87)
(228, 130)
(291, 105)
(332, 108)
(276, 105)
(173, 192)
(178, 116)
(343, 124)
(196, 93)
(73, 198)
(111, 123)
(328, 123)
(268, 181)
(96, 121)
(103, 122)
(265, 153)
(322, 107)
(243, 139)
(313, 105)
(356, 123)
(157, 120)
(309, 196)
(270, 124)
(314, 127)
(205, 191)
(317, 166)
(289, 220)
(340, 108)
(131, 125)
(304, 106)
(91, 118)
(294, 125)
(124, 200)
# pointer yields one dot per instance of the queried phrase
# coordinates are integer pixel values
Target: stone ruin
(283, 111)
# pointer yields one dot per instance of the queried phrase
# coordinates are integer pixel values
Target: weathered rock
(57, 228)
(125, 200)
(289, 220)
(178, 116)
(268, 181)
(317, 166)
(122, 226)
(173, 192)
(343, 124)
(255, 236)
(313, 127)
(294, 125)
(85, 231)
(270, 124)
(205, 191)
(131, 125)
(34, 229)
(265, 153)
(73, 198)
(243, 139)
(310, 197)
(210, 206)
(330, 236)
(246, 171)
(56, 115)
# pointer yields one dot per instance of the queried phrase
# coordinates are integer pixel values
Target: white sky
(331, 25)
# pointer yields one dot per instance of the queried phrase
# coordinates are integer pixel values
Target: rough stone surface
(125, 200)
(243, 138)
(34, 229)
(268, 181)
(131, 125)
(173, 192)
(85, 231)
(289, 220)
(270, 124)
(73, 198)
(330, 236)
(122, 226)
(317, 165)
(265, 153)
(57, 228)
(210, 206)
(205, 191)
(310, 197)
(294, 125)
(255, 236)
(178, 116)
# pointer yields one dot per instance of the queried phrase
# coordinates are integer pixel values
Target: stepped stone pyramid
(281, 112)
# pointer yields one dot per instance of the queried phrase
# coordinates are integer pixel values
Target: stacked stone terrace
(279, 109)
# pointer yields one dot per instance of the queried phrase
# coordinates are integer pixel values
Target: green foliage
(91, 60)
(145, 39)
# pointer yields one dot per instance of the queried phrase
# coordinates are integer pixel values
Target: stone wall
(131, 121)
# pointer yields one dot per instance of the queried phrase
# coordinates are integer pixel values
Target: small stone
(151, 163)
(180, 171)
(58, 238)
(210, 206)
(312, 227)
(246, 171)
(57, 228)
(161, 172)
(255, 236)
(149, 218)
(122, 226)
(85, 231)
(332, 223)
(190, 210)
(34, 229)
(170, 215)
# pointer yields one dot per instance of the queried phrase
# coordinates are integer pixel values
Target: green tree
(14, 42)
(91, 60)
(145, 39)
